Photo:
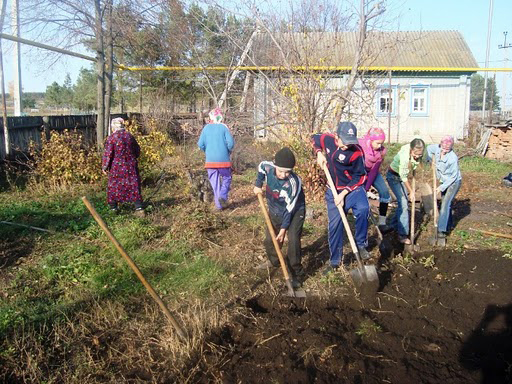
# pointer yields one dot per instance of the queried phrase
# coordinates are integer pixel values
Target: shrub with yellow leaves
(63, 160)
(155, 145)
(313, 179)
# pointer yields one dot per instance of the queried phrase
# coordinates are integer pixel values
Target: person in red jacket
(345, 161)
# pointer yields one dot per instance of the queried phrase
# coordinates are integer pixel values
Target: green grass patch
(486, 166)
(252, 220)
(78, 263)
(248, 177)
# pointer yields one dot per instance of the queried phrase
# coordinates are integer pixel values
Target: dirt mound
(447, 319)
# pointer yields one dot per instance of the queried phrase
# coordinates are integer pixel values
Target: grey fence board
(24, 129)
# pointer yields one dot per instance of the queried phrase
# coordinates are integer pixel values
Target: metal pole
(15, 19)
(505, 65)
(389, 109)
(44, 46)
(489, 26)
(491, 107)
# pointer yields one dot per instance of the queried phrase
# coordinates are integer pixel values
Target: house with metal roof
(411, 84)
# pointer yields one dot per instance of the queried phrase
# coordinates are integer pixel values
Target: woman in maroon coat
(120, 162)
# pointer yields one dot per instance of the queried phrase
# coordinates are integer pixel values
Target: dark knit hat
(285, 159)
(347, 132)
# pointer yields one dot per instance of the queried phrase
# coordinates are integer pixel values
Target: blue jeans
(358, 201)
(382, 188)
(401, 218)
(445, 214)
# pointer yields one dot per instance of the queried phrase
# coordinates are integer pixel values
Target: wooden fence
(24, 129)
(180, 127)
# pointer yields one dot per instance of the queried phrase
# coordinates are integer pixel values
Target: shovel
(410, 248)
(379, 233)
(291, 291)
(362, 273)
(434, 197)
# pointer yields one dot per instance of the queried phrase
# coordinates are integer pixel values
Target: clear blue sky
(468, 17)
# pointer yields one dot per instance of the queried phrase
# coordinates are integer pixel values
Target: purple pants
(220, 179)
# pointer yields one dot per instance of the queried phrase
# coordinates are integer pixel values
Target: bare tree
(78, 23)
(300, 38)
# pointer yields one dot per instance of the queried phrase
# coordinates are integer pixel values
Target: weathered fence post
(46, 127)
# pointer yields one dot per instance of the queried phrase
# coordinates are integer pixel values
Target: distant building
(427, 94)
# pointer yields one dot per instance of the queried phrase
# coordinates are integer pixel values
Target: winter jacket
(346, 166)
(284, 196)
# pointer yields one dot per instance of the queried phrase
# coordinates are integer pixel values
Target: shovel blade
(368, 276)
(299, 293)
(292, 292)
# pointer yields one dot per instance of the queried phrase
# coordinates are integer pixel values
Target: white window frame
(425, 111)
(394, 95)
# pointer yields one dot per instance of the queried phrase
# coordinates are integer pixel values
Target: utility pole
(15, 19)
(505, 65)
(491, 107)
(489, 26)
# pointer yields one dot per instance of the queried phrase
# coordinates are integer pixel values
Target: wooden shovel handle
(343, 218)
(413, 206)
(135, 269)
(495, 234)
(434, 193)
(273, 236)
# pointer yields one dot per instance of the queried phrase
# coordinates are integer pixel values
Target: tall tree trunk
(100, 73)
(4, 105)
(109, 63)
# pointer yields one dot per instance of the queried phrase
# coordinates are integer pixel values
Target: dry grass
(109, 342)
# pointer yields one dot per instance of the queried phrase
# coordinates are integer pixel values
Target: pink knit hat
(216, 115)
(376, 133)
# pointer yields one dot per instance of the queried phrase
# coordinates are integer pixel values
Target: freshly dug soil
(447, 319)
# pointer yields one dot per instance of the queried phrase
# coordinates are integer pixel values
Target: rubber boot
(383, 210)
(441, 239)
(365, 255)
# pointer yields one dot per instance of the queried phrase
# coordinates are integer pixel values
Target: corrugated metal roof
(382, 49)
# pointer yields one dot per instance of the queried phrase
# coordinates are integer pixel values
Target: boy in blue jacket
(217, 143)
(287, 209)
(345, 161)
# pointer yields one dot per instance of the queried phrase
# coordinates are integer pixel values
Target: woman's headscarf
(117, 124)
(375, 133)
(216, 115)
(447, 143)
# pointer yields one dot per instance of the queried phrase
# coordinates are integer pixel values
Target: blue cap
(347, 132)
